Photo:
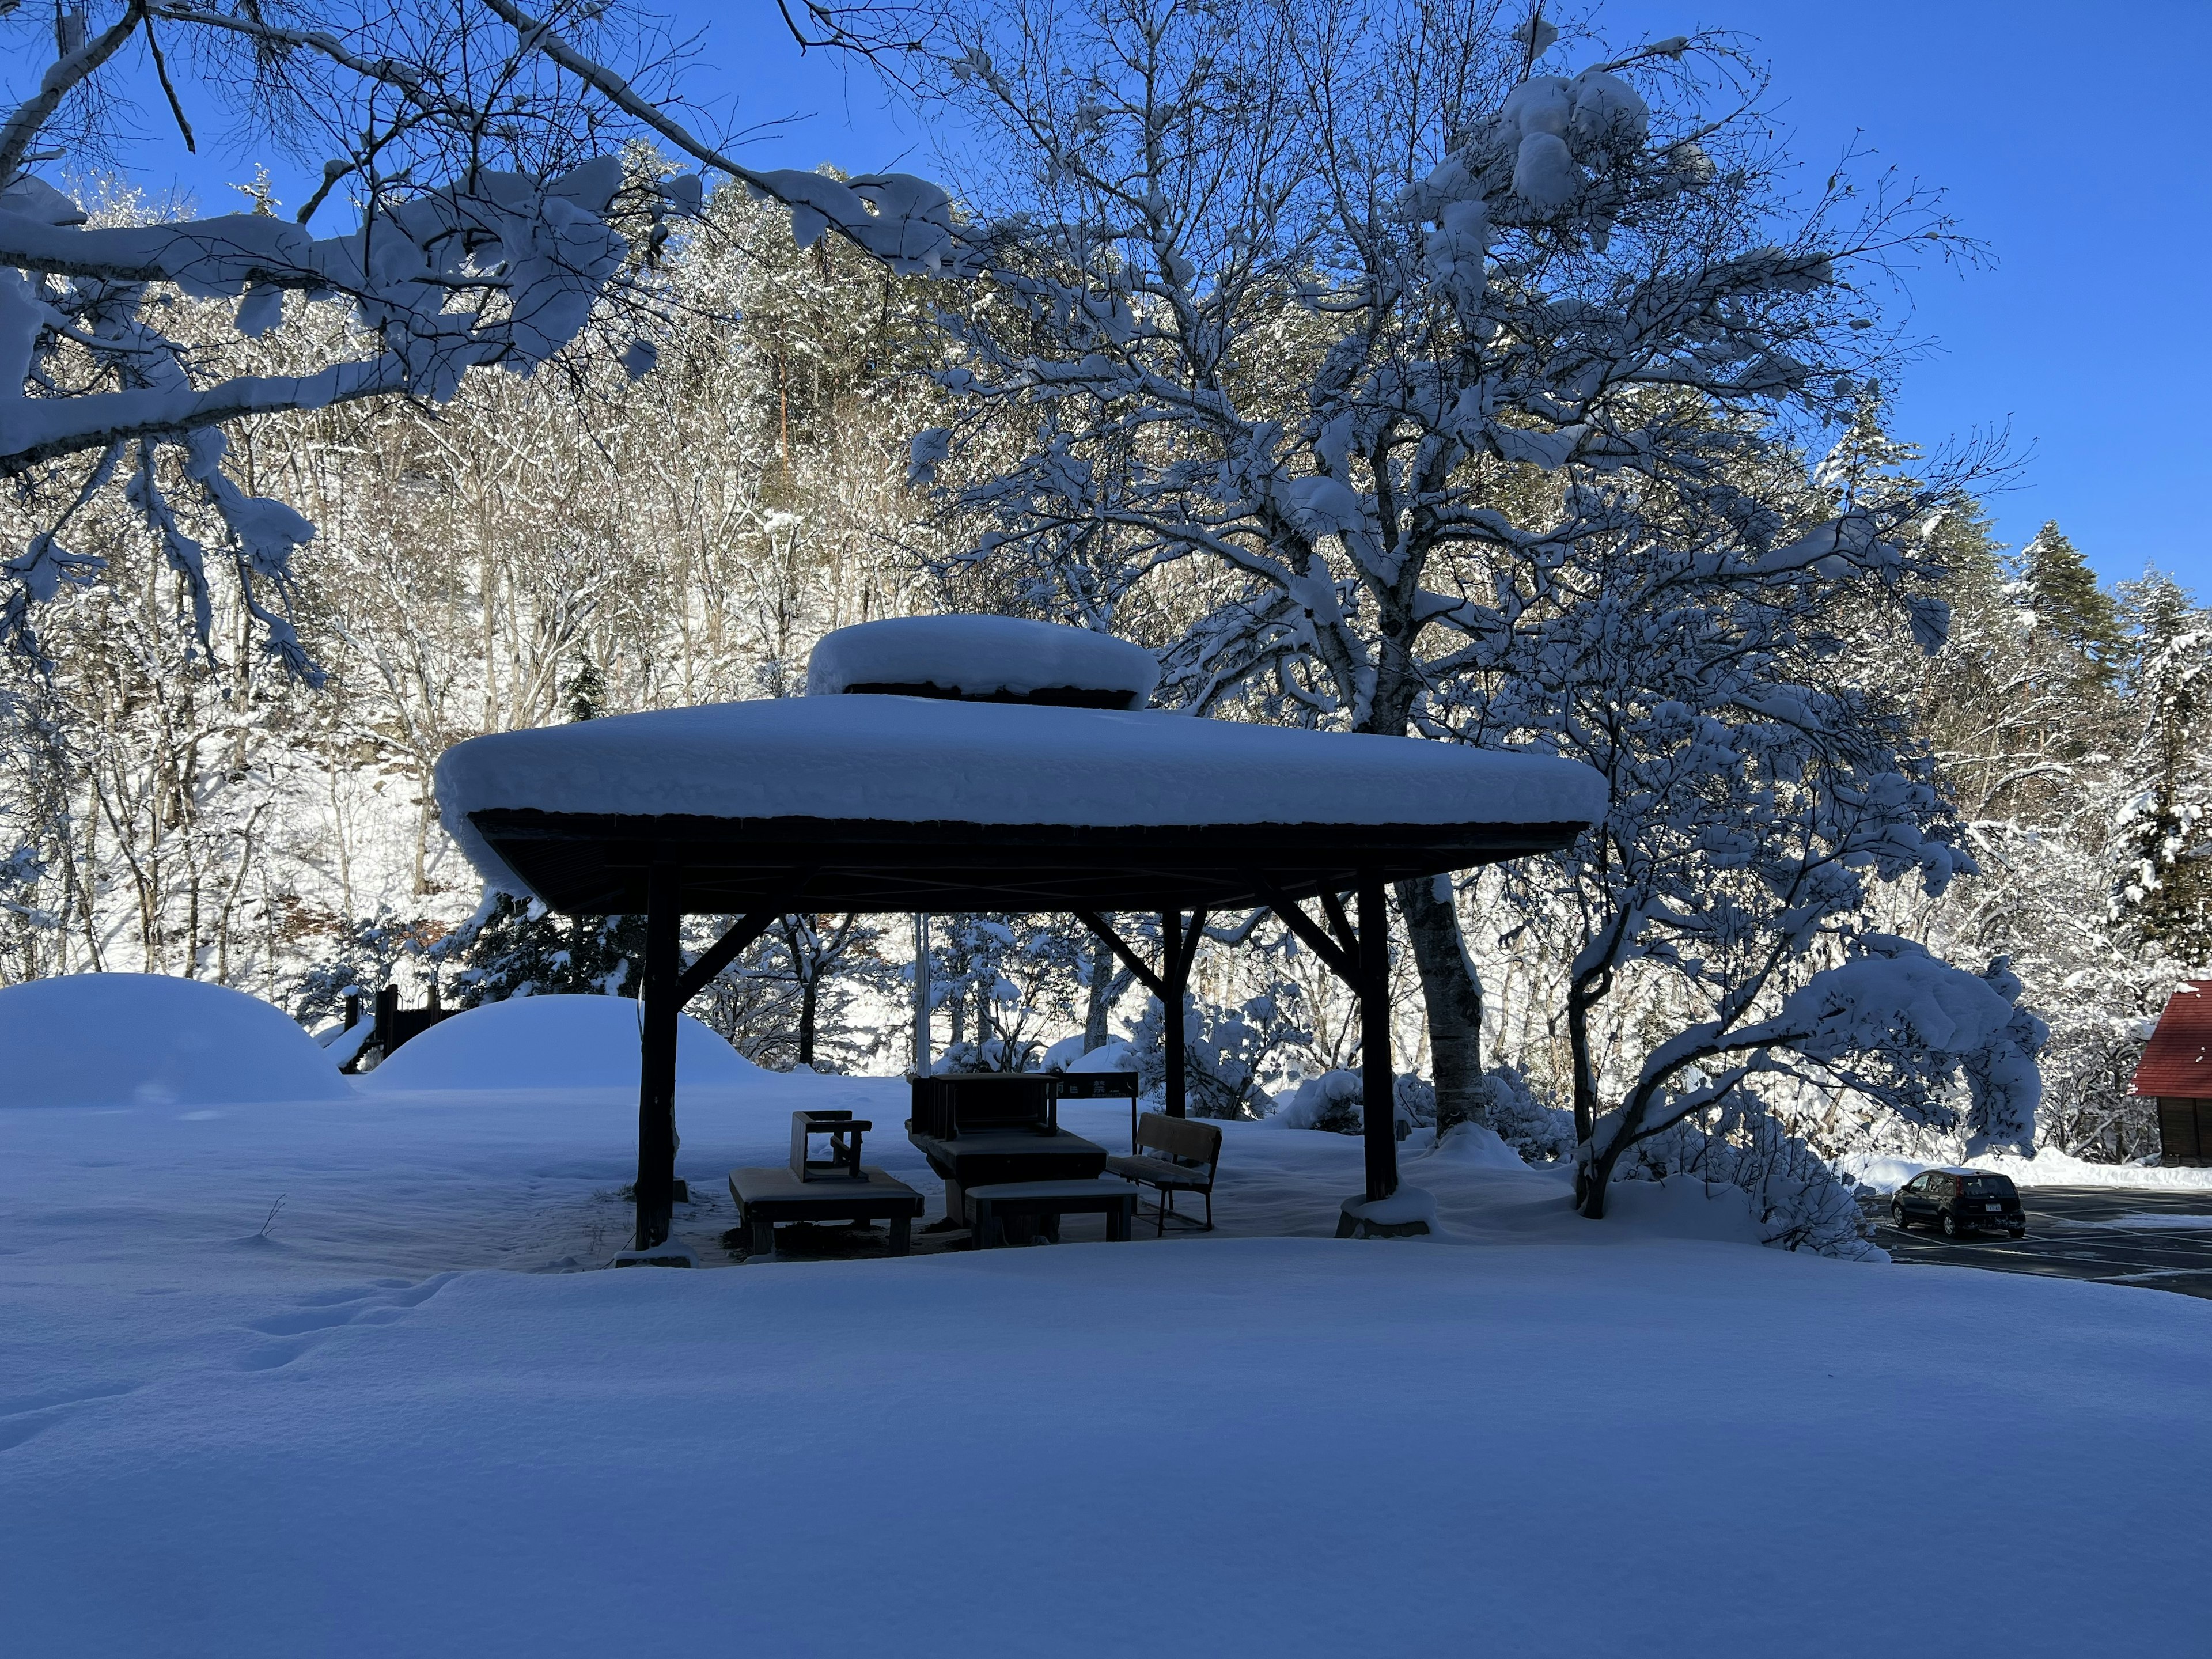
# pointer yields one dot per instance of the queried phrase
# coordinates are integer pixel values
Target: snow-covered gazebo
(987, 763)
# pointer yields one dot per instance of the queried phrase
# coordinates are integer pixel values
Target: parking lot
(2157, 1239)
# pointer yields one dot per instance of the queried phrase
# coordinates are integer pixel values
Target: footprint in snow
(326, 1312)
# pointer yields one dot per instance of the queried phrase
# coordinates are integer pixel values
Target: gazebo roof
(896, 803)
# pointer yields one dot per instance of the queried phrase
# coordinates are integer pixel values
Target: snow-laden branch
(472, 251)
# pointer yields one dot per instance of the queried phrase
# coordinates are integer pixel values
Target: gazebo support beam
(667, 986)
(657, 1024)
(1169, 982)
(1178, 951)
(1361, 959)
(721, 953)
(1378, 1081)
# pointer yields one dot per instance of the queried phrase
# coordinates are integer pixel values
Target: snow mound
(150, 1040)
(553, 1043)
(1475, 1147)
(990, 657)
(1067, 1055)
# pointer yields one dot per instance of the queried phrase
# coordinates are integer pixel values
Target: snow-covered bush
(1330, 1102)
(515, 947)
(1799, 1202)
(1511, 1108)
(1335, 1102)
(1226, 1052)
(1413, 1099)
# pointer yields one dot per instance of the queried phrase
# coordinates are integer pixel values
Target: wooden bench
(1174, 1155)
(767, 1196)
(992, 1205)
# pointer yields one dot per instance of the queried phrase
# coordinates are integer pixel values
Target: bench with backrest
(1174, 1155)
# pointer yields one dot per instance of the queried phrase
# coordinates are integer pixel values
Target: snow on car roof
(984, 657)
(927, 761)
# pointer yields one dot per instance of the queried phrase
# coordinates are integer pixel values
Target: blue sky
(2059, 141)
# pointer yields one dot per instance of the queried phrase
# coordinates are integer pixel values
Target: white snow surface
(106, 1040)
(920, 759)
(552, 1043)
(980, 656)
(349, 1433)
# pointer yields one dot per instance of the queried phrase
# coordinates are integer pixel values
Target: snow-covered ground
(339, 1435)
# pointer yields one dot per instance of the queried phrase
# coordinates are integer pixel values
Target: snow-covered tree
(480, 146)
(2064, 595)
(2162, 833)
(1348, 348)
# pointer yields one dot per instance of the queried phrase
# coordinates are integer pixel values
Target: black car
(1959, 1201)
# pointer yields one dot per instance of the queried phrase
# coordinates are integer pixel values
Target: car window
(1917, 1184)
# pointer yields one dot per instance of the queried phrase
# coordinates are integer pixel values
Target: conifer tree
(2063, 594)
(2165, 886)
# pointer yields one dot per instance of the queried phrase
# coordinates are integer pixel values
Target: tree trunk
(1101, 984)
(806, 1000)
(1453, 995)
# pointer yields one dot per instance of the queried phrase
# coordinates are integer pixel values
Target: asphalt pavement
(2155, 1237)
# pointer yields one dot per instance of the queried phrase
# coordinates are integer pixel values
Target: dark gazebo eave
(594, 864)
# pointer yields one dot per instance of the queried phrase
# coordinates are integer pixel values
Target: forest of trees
(814, 441)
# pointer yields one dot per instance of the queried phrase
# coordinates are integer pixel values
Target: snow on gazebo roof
(1028, 800)
(984, 658)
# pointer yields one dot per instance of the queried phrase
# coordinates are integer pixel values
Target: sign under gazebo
(987, 763)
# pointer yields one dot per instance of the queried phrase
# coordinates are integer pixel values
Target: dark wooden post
(1171, 1006)
(1378, 1083)
(661, 1002)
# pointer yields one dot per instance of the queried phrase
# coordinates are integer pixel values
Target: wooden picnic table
(989, 1158)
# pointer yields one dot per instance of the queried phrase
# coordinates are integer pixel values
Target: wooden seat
(1050, 1199)
(1174, 1155)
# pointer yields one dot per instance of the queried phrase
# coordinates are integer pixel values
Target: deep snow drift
(152, 1039)
(318, 1437)
(552, 1043)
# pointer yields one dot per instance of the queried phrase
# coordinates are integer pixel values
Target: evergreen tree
(516, 947)
(2063, 594)
(587, 694)
(2165, 886)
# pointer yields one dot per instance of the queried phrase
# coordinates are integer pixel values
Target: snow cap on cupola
(983, 659)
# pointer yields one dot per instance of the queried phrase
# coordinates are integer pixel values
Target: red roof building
(2176, 1070)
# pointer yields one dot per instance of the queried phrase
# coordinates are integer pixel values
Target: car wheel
(1897, 1218)
(1950, 1225)
(2016, 1232)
